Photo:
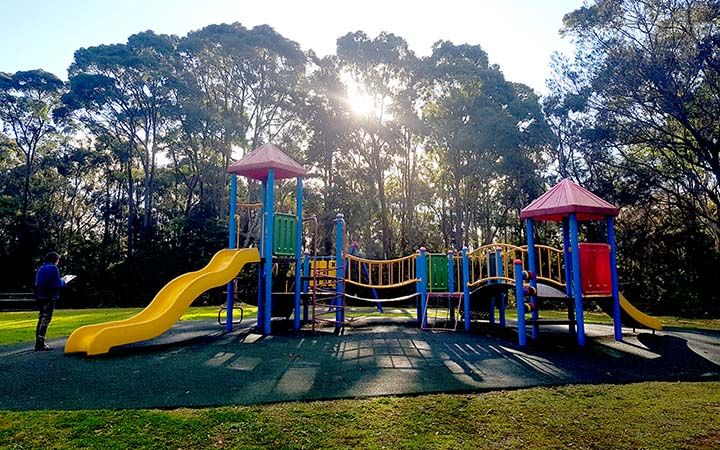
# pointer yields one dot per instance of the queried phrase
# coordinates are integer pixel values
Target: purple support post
(232, 243)
(266, 318)
(501, 295)
(466, 288)
(298, 253)
(568, 273)
(530, 231)
(577, 286)
(261, 267)
(339, 270)
(520, 303)
(617, 322)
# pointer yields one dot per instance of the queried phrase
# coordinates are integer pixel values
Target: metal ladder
(325, 299)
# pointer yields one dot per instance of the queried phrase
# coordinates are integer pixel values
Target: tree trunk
(384, 215)
(131, 209)
(457, 203)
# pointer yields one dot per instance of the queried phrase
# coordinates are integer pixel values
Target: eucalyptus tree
(122, 91)
(381, 68)
(644, 88)
(27, 100)
(487, 137)
(327, 120)
(239, 88)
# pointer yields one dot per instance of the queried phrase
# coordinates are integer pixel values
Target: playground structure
(445, 289)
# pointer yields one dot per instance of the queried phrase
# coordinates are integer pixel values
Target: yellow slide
(638, 316)
(166, 308)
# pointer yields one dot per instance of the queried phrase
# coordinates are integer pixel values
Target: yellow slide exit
(165, 309)
(638, 316)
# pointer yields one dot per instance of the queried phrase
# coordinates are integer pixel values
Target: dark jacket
(48, 282)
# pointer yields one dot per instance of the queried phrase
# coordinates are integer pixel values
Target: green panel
(284, 234)
(438, 271)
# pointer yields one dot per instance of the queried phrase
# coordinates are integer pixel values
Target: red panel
(595, 269)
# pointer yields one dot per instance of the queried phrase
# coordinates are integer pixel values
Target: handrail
(550, 262)
(383, 286)
(487, 279)
(384, 261)
(549, 265)
(381, 273)
(481, 267)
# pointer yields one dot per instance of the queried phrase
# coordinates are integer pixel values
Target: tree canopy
(123, 167)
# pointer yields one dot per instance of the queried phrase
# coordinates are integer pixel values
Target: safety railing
(549, 264)
(381, 274)
(492, 262)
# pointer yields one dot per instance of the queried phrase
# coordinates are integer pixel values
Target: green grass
(644, 415)
(602, 318)
(20, 326)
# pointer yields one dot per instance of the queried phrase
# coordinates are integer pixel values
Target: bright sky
(519, 35)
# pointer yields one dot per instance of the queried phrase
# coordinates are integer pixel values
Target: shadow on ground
(195, 364)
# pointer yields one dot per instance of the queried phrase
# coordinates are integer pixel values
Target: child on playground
(47, 290)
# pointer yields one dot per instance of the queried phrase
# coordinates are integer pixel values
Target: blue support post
(232, 243)
(261, 268)
(520, 303)
(268, 252)
(306, 284)
(298, 251)
(617, 323)
(466, 288)
(567, 257)
(339, 270)
(421, 273)
(501, 296)
(577, 286)
(530, 231)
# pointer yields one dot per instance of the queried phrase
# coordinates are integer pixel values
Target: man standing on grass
(47, 291)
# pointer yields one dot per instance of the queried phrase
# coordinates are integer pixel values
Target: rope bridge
(381, 274)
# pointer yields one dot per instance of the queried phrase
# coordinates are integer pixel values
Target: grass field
(645, 415)
(20, 326)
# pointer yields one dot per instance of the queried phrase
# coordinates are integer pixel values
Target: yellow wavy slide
(638, 316)
(165, 309)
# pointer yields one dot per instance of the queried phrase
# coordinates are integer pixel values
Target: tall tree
(380, 68)
(239, 88)
(122, 91)
(486, 136)
(27, 100)
(646, 82)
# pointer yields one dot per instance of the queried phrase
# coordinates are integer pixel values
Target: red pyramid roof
(256, 164)
(567, 197)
